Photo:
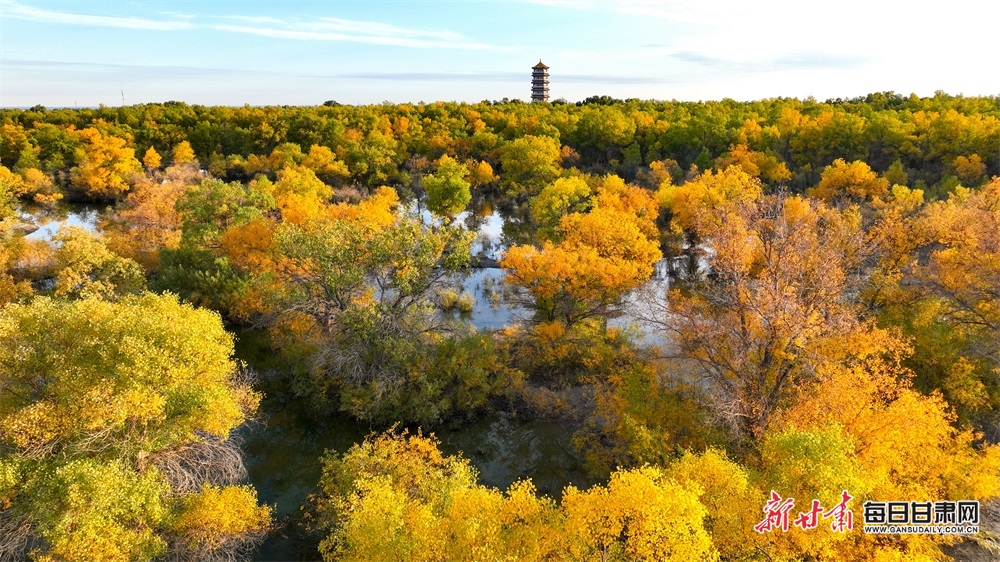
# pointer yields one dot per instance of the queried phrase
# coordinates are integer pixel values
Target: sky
(85, 53)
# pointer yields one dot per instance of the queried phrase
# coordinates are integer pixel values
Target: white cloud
(380, 29)
(20, 11)
(326, 31)
(338, 29)
(179, 15)
(316, 29)
(686, 11)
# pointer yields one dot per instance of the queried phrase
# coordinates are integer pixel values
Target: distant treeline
(931, 143)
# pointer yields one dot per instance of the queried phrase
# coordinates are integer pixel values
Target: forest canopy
(721, 305)
(931, 143)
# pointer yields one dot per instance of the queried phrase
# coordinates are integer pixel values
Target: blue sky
(66, 53)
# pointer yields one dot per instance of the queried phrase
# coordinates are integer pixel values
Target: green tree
(896, 174)
(448, 190)
(529, 163)
(198, 268)
(564, 196)
(374, 159)
(365, 281)
(602, 126)
(86, 268)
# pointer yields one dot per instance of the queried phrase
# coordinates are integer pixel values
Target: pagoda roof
(540, 64)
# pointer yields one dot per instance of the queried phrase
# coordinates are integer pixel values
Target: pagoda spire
(540, 82)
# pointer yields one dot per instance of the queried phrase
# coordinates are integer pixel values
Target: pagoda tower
(540, 82)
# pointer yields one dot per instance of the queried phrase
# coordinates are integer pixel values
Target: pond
(50, 219)
(284, 448)
(285, 445)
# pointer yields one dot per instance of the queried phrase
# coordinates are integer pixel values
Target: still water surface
(285, 445)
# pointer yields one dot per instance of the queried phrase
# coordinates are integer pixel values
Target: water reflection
(50, 219)
(505, 449)
(491, 310)
(283, 453)
(285, 445)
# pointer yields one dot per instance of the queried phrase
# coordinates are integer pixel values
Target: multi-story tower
(540, 82)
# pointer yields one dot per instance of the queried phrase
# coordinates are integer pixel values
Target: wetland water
(284, 450)
(284, 447)
(285, 444)
(50, 219)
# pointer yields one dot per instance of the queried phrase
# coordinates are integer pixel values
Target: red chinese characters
(776, 515)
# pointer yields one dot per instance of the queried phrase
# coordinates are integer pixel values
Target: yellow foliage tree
(220, 519)
(379, 210)
(11, 187)
(640, 515)
(970, 169)
(854, 182)
(323, 162)
(481, 173)
(691, 202)
(135, 404)
(164, 351)
(151, 159)
(778, 303)
(86, 268)
(862, 428)
(106, 165)
(146, 222)
(40, 186)
(600, 256)
(91, 510)
(761, 165)
(942, 270)
(612, 193)
(731, 499)
(300, 195)
(563, 196)
(575, 279)
(12, 288)
(183, 153)
(398, 498)
(965, 268)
